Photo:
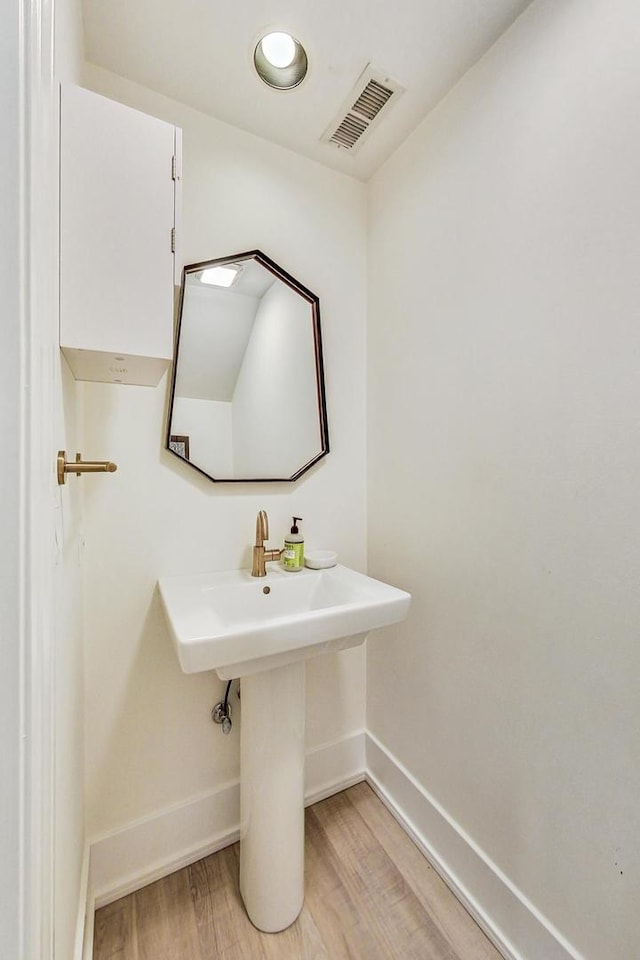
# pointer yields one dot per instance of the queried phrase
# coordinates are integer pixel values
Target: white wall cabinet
(119, 196)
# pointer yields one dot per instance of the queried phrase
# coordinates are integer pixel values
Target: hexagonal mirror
(248, 398)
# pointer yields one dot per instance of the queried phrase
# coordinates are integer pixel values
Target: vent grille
(372, 92)
(349, 131)
(372, 99)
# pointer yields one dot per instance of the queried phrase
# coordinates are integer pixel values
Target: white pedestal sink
(272, 796)
(262, 630)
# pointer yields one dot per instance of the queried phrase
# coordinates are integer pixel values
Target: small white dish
(320, 559)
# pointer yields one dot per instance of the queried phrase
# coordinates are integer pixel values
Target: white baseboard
(518, 930)
(152, 848)
(149, 849)
(334, 766)
(87, 933)
(82, 917)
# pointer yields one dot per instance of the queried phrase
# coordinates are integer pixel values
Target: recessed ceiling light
(279, 49)
(280, 60)
(220, 276)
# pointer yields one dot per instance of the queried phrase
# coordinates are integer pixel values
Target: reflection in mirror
(248, 400)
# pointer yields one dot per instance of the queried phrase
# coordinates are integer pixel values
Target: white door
(27, 278)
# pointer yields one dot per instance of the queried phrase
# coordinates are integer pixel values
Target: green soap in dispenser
(293, 553)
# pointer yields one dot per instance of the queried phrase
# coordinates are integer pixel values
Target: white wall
(150, 741)
(208, 425)
(70, 834)
(276, 428)
(38, 654)
(10, 405)
(214, 332)
(504, 462)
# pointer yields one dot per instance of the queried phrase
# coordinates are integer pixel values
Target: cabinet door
(116, 220)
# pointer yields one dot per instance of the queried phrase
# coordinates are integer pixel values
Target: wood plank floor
(369, 895)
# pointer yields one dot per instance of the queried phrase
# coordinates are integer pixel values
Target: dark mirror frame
(312, 299)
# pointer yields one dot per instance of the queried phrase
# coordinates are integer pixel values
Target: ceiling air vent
(361, 110)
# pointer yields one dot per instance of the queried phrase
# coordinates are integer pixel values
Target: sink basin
(238, 625)
(263, 629)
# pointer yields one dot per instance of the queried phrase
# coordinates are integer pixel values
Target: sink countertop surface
(237, 624)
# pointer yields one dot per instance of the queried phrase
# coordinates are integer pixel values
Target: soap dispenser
(293, 553)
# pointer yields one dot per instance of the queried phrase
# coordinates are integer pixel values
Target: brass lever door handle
(81, 466)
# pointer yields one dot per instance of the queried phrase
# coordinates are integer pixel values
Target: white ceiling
(200, 52)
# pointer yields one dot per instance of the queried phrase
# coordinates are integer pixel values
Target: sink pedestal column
(272, 756)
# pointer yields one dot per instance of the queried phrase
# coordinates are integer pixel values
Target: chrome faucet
(260, 555)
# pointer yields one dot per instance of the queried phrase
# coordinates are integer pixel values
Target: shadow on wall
(153, 743)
